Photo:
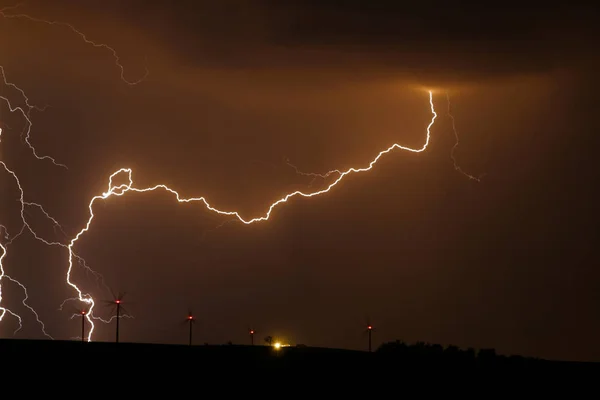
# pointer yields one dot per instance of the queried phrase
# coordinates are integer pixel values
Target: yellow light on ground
(277, 345)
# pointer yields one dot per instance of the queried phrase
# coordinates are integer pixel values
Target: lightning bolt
(118, 190)
(313, 174)
(222, 224)
(29, 108)
(4, 247)
(3, 276)
(24, 302)
(83, 37)
(25, 110)
(457, 167)
(106, 321)
(3, 310)
(26, 113)
(454, 130)
(26, 227)
(121, 189)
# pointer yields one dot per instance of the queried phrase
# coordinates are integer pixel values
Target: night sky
(236, 88)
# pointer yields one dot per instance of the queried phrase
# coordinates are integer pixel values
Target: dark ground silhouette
(387, 357)
(73, 369)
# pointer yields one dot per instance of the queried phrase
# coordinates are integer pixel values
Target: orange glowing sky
(235, 92)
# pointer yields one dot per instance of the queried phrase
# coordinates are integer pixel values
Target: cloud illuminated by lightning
(457, 167)
(28, 107)
(25, 110)
(26, 227)
(83, 37)
(122, 189)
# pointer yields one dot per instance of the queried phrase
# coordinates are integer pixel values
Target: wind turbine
(117, 304)
(191, 320)
(251, 332)
(369, 331)
(83, 312)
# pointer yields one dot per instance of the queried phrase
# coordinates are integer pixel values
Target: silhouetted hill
(180, 362)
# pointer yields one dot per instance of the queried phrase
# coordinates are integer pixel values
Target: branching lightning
(26, 227)
(24, 302)
(83, 37)
(118, 190)
(3, 310)
(314, 175)
(25, 110)
(121, 189)
(26, 113)
(456, 166)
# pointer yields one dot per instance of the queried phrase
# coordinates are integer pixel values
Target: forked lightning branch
(19, 103)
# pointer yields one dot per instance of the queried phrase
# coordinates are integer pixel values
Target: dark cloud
(235, 87)
(441, 39)
(428, 42)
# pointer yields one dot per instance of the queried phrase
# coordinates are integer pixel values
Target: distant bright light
(369, 327)
(277, 345)
(252, 332)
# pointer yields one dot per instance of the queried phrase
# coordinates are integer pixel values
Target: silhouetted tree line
(427, 353)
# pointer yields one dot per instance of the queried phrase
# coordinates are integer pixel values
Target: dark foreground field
(239, 359)
(127, 370)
